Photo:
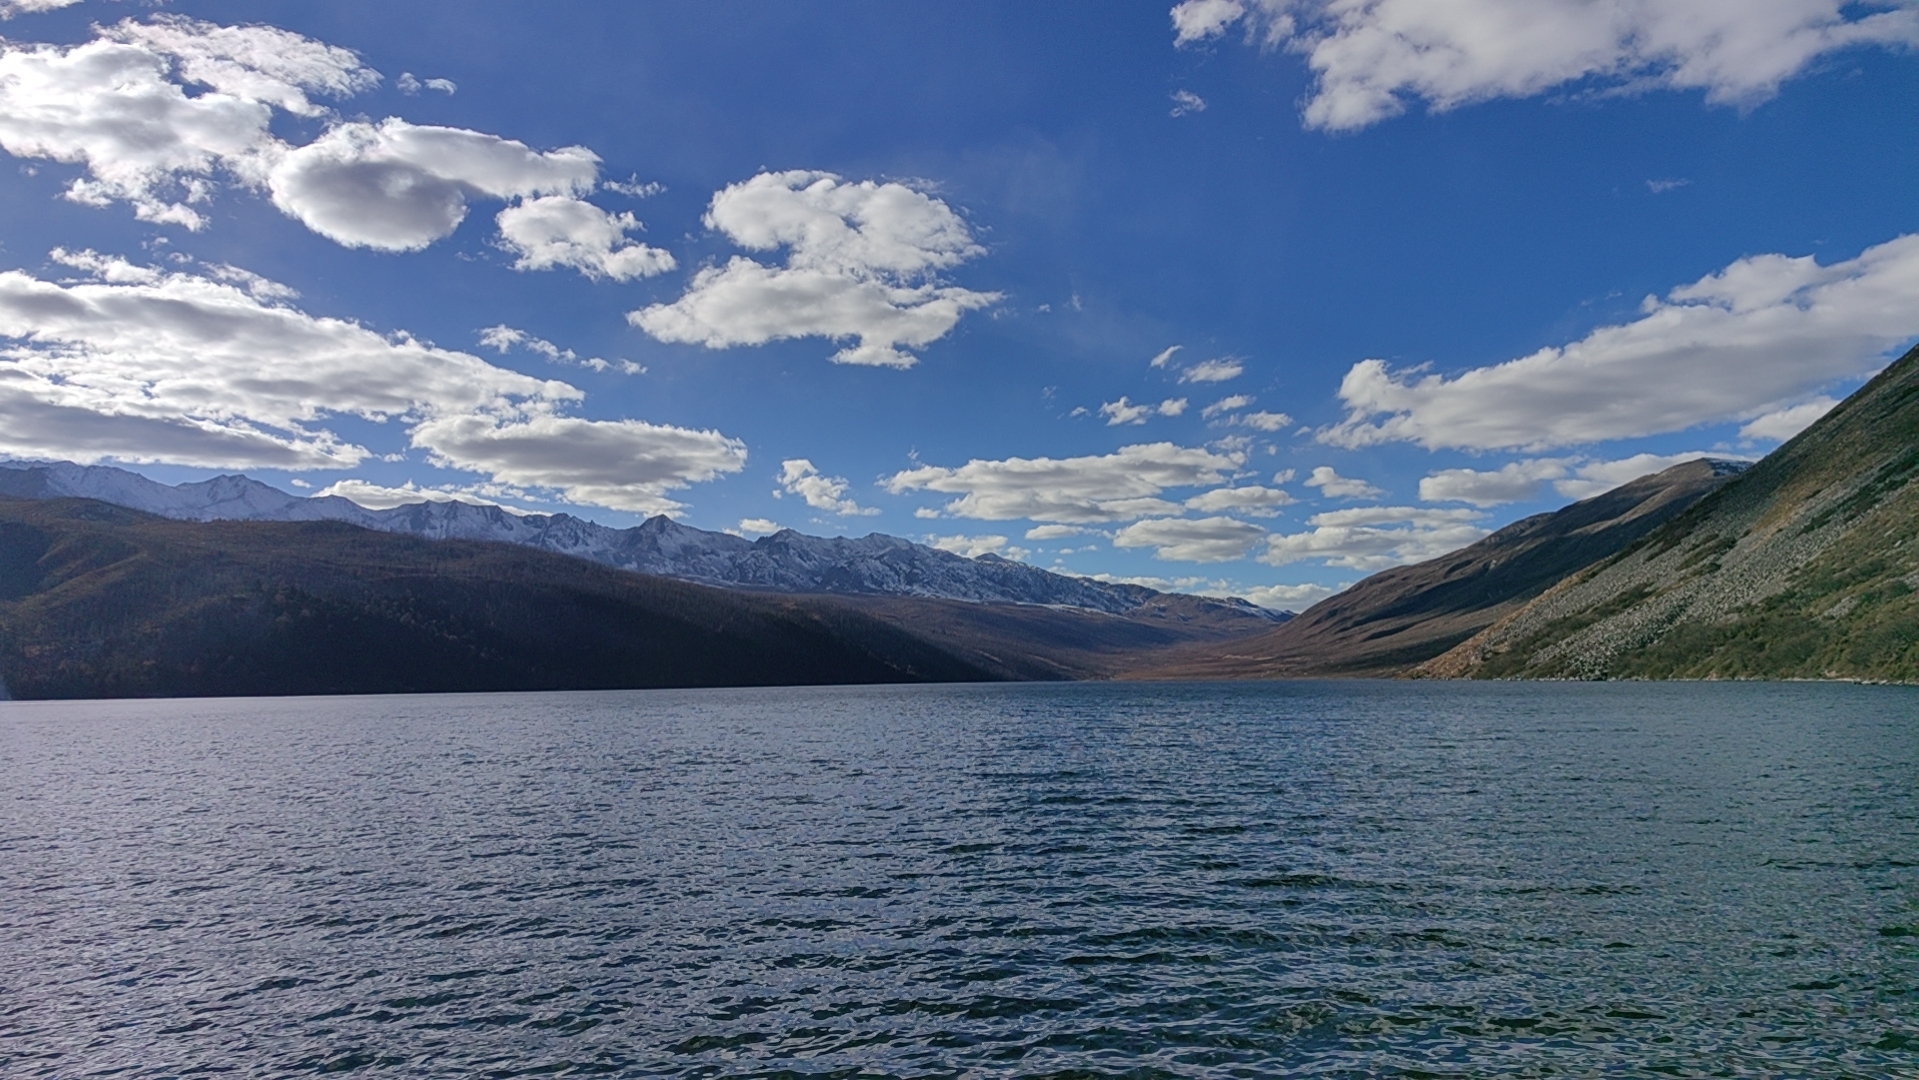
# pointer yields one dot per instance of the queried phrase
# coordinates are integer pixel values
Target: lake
(1145, 880)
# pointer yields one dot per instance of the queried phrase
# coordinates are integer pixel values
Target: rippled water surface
(1345, 879)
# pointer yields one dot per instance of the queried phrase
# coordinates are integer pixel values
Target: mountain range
(786, 561)
(1803, 565)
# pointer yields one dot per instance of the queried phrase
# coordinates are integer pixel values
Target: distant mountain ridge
(1410, 614)
(787, 561)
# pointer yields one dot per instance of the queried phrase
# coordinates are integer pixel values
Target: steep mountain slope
(1400, 617)
(787, 561)
(101, 601)
(1804, 567)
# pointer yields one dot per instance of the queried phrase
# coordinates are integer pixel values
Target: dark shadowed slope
(1032, 641)
(101, 601)
(1804, 567)
(1401, 617)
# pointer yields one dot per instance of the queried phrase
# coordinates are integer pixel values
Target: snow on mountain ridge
(786, 561)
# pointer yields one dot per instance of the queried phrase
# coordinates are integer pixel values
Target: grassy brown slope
(1402, 617)
(1802, 568)
(1026, 641)
(99, 601)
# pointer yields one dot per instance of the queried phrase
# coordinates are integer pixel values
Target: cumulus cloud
(506, 338)
(10, 8)
(1160, 359)
(1517, 481)
(1252, 499)
(143, 365)
(1375, 537)
(1522, 481)
(559, 230)
(1371, 57)
(1125, 412)
(759, 526)
(161, 113)
(972, 547)
(828, 493)
(862, 263)
(384, 497)
(1120, 486)
(1226, 405)
(1783, 424)
(1751, 339)
(1185, 101)
(408, 84)
(621, 464)
(1334, 486)
(1264, 421)
(1053, 532)
(395, 186)
(1286, 597)
(1213, 371)
(118, 106)
(1202, 540)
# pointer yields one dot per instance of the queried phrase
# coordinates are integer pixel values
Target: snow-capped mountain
(786, 561)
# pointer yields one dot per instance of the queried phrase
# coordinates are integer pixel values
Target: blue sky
(1424, 266)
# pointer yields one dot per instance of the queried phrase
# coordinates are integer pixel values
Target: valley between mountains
(1803, 565)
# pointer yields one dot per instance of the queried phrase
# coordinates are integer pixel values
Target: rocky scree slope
(1805, 566)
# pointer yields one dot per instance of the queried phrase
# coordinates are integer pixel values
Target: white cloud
(113, 106)
(120, 107)
(1226, 405)
(395, 186)
(972, 547)
(861, 262)
(1334, 486)
(1783, 424)
(1521, 481)
(632, 187)
(143, 365)
(1202, 540)
(1753, 338)
(1164, 355)
(505, 339)
(1125, 412)
(621, 464)
(1252, 499)
(759, 526)
(1286, 597)
(1597, 477)
(1212, 371)
(1052, 532)
(1660, 187)
(1198, 20)
(1372, 56)
(1376, 537)
(10, 8)
(1264, 421)
(1120, 486)
(382, 497)
(408, 84)
(799, 477)
(1185, 101)
(559, 230)
(1517, 481)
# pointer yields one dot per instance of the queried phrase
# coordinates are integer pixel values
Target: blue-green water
(1331, 879)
